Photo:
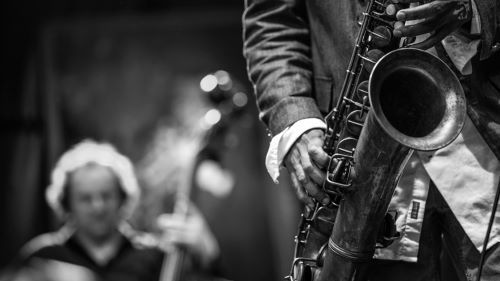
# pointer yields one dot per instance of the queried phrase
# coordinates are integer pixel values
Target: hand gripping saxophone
(394, 100)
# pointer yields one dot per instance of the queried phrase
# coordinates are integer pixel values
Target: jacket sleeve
(489, 12)
(277, 50)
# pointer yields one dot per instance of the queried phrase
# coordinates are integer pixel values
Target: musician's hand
(191, 232)
(306, 162)
(438, 18)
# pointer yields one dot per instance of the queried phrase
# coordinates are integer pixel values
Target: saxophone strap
(488, 233)
(353, 256)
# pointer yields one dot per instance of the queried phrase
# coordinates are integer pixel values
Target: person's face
(94, 201)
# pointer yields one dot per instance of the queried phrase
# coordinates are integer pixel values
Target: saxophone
(394, 100)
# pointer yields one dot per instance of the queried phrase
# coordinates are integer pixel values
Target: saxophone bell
(417, 99)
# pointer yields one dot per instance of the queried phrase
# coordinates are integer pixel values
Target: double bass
(228, 105)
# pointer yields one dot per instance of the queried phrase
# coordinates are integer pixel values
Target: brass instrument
(394, 100)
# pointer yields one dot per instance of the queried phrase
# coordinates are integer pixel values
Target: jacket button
(495, 47)
(359, 19)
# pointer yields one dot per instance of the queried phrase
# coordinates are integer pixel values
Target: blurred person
(94, 190)
(297, 54)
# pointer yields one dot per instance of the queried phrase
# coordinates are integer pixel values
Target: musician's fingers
(165, 243)
(434, 38)
(319, 156)
(185, 236)
(398, 24)
(303, 172)
(391, 9)
(301, 193)
(312, 177)
(310, 169)
(295, 163)
(314, 174)
(177, 239)
(428, 10)
(167, 235)
(315, 191)
(171, 221)
(418, 28)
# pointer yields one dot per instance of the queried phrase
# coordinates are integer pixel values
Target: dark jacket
(297, 54)
(134, 261)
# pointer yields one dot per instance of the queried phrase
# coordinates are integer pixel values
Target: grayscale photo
(245, 140)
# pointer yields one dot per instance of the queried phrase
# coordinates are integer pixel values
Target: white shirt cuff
(282, 142)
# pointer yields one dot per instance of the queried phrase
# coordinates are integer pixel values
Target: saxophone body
(394, 100)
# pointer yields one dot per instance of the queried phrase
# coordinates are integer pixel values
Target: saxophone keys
(355, 121)
(371, 58)
(303, 273)
(362, 90)
(393, 8)
(381, 36)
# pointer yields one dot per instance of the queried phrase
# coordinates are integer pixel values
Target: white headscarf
(103, 154)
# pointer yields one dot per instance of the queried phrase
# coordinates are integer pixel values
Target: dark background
(125, 72)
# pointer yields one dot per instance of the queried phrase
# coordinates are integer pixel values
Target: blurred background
(128, 72)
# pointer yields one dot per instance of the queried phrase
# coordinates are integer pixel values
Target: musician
(297, 54)
(94, 190)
